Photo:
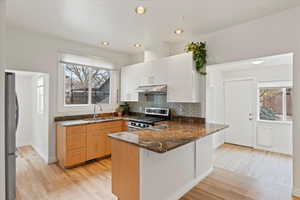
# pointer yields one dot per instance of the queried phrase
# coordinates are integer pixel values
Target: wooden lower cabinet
(71, 145)
(77, 144)
(125, 170)
(96, 142)
(108, 140)
(75, 156)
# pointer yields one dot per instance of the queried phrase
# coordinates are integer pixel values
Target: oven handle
(133, 128)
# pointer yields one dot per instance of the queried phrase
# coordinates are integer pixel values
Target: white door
(239, 97)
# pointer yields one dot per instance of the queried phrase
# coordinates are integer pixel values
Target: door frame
(253, 105)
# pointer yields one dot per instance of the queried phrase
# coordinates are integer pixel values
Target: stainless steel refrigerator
(11, 124)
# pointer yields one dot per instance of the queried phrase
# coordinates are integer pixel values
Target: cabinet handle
(250, 117)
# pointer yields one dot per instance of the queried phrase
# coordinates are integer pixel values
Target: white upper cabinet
(185, 84)
(178, 72)
(129, 82)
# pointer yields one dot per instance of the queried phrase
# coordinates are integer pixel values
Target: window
(76, 84)
(100, 86)
(86, 85)
(275, 103)
(40, 95)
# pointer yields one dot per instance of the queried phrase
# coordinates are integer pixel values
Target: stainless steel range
(151, 116)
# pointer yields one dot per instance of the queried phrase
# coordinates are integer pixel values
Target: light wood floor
(38, 181)
(222, 184)
(262, 165)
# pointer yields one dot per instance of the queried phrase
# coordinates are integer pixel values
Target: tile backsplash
(160, 100)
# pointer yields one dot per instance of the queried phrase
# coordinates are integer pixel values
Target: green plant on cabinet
(199, 55)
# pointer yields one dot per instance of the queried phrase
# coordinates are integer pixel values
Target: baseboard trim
(296, 192)
(180, 193)
(52, 160)
(218, 145)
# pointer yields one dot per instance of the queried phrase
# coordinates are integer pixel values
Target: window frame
(275, 85)
(64, 109)
(40, 103)
(64, 90)
(89, 103)
(110, 86)
(89, 88)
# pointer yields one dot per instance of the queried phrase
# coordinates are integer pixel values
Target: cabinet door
(130, 79)
(76, 137)
(75, 157)
(124, 86)
(108, 140)
(95, 141)
(181, 79)
(204, 155)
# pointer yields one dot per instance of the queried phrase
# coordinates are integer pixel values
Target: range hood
(161, 88)
(155, 52)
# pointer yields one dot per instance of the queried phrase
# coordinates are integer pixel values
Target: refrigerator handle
(17, 112)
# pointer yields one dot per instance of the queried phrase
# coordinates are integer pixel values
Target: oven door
(133, 125)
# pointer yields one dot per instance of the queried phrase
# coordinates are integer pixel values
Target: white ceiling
(93, 21)
(270, 61)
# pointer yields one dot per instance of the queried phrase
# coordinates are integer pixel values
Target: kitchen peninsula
(163, 162)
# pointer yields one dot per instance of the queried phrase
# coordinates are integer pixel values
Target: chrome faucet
(97, 105)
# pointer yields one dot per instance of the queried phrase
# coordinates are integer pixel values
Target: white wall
(271, 136)
(170, 175)
(2, 62)
(25, 97)
(272, 35)
(33, 128)
(276, 137)
(27, 51)
(40, 122)
(263, 74)
(215, 102)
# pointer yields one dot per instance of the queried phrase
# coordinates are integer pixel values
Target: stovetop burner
(152, 116)
(148, 119)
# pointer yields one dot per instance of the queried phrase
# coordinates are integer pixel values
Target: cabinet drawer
(112, 130)
(76, 137)
(104, 125)
(75, 156)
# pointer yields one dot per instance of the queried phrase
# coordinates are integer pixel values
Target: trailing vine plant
(199, 55)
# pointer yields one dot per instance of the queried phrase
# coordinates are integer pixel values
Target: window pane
(271, 104)
(100, 85)
(289, 113)
(76, 84)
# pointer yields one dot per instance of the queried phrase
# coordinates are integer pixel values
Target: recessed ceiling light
(137, 45)
(257, 62)
(105, 43)
(178, 31)
(140, 10)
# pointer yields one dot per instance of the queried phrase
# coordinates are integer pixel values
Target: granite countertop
(168, 135)
(90, 121)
